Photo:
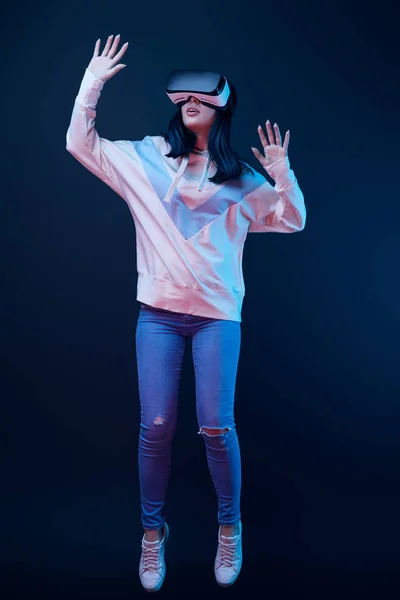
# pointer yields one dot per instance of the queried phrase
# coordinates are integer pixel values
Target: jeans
(160, 346)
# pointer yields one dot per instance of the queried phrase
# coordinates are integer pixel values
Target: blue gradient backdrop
(317, 402)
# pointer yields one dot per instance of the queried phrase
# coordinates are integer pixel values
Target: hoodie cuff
(90, 90)
(281, 172)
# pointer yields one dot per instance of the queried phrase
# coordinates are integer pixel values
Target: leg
(160, 351)
(216, 349)
(225, 529)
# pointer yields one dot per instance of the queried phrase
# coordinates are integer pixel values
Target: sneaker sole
(233, 580)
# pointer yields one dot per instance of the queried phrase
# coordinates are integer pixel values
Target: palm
(104, 66)
(273, 148)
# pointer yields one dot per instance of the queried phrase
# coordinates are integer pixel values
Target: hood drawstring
(179, 174)
(205, 173)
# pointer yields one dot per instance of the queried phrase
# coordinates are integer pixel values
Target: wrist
(281, 172)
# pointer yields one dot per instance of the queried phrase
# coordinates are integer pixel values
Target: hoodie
(190, 232)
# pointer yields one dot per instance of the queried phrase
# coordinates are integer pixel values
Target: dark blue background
(318, 389)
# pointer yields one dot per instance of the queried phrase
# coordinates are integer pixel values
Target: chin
(191, 126)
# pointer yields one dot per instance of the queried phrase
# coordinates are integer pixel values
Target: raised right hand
(105, 66)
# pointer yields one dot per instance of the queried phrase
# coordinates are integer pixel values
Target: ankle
(230, 530)
(152, 535)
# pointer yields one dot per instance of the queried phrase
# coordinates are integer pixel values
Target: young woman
(193, 201)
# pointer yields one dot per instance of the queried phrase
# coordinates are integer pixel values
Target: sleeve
(100, 156)
(279, 209)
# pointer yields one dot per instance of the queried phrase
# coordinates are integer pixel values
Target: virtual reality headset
(210, 87)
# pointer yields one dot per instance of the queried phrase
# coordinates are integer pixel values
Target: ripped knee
(214, 430)
(159, 420)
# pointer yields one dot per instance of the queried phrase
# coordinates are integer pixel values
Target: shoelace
(150, 556)
(227, 552)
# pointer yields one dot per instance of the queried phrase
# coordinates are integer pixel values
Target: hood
(181, 171)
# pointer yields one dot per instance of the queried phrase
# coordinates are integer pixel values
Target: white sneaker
(152, 563)
(228, 560)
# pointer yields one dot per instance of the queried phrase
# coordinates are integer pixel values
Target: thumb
(115, 70)
(256, 152)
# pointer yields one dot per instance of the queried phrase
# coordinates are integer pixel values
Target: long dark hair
(182, 141)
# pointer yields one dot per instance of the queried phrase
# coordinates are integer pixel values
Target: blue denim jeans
(160, 346)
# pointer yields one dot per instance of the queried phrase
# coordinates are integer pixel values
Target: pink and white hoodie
(190, 232)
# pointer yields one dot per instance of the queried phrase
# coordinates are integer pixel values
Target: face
(199, 122)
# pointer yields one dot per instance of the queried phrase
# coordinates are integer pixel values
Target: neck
(201, 141)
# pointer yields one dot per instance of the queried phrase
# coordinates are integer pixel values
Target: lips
(192, 109)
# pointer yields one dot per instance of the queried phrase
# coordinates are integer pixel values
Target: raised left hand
(273, 148)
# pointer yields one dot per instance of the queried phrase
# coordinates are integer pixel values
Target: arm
(280, 208)
(98, 155)
(83, 142)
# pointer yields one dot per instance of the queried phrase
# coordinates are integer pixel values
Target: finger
(270, 133)
(258, 154)
(96, 48)
(114, 46)
(262, 136)
(286, 141)
(116, 69)
(107, 46)
(277, 135)
(120, 54)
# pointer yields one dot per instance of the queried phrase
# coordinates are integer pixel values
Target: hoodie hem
(202, 302)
